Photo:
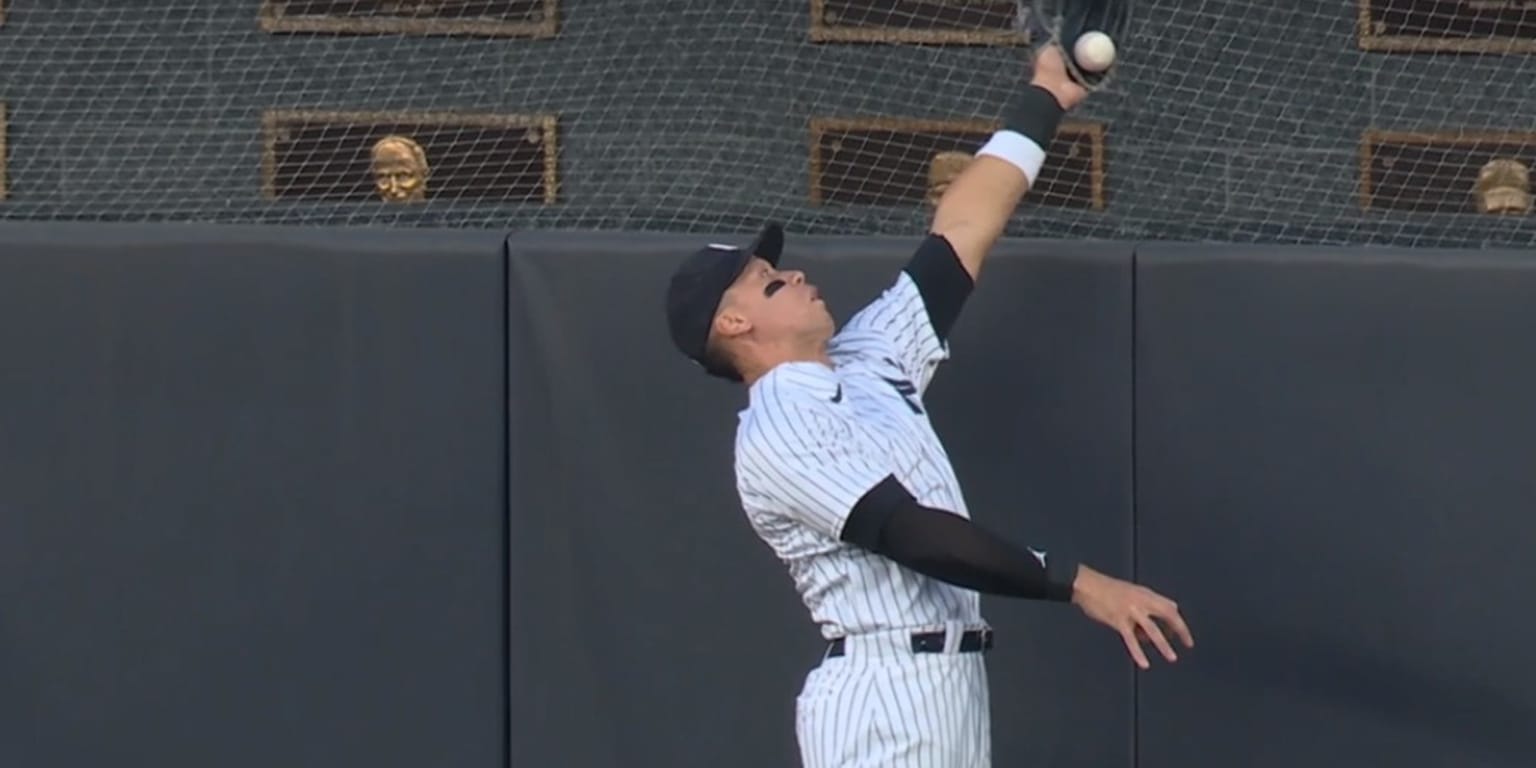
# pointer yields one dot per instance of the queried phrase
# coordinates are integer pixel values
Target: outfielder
(841, 474)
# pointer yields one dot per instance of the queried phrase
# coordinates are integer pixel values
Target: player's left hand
(1051, 74)
(1132, 610)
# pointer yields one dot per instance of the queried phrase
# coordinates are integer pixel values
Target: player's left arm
(915, 315)
(979, 202)
(887, 520)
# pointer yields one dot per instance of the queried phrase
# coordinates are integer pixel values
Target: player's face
(778, 303)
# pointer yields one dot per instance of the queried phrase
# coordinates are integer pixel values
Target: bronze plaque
(887, 161)
(977, 22)
(1482, 26)
(333, 156)
(1433, 172)
(490, 18)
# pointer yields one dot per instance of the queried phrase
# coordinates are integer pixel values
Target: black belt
(932, 642)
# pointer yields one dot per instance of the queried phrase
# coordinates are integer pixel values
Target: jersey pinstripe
(812, 440)
(884, 707)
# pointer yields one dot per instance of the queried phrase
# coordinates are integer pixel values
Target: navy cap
(700, 282)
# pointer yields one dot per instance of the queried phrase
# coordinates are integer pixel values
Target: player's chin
(824, 319)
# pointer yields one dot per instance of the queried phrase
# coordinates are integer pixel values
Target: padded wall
(318, 497)
(1336, 465)
(250, 498)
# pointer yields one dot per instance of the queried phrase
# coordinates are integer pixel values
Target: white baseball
(1094, 51)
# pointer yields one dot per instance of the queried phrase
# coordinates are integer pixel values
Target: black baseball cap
(700, 282)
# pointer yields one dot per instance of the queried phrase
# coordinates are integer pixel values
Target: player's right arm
(804, 462)
(979, 202)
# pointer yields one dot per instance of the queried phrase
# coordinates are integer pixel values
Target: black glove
(1062, 22)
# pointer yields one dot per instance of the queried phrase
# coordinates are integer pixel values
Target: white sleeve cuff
(1018, 150)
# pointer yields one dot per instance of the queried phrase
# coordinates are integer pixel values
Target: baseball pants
(881, 704)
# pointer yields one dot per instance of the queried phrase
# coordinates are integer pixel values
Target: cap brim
(769, 244)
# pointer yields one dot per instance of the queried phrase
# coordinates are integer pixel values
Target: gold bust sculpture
(400, 170)
(942, 170)
(1504, 186)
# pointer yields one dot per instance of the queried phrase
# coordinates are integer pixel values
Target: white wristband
(1017, 149)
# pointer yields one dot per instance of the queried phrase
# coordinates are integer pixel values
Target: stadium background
(1230, 120)
(399, 487)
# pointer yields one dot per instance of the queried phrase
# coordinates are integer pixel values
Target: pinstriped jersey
(813, 440)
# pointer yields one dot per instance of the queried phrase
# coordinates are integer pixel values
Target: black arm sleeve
(952, 549)
(942, 281)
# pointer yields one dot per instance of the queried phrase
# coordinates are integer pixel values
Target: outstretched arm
(887, 520)
(825, 472)
(979, 202)
(967, 221)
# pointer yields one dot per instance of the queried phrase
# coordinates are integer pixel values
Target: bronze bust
(942, 170)
(1504, 187)
(400, 170)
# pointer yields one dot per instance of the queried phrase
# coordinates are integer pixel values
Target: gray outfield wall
(329, 496)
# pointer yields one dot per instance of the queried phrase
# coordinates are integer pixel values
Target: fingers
(1179, 627)
(1168, 611)
(1149, 627)
(1139, 615)
(1129, 636)
(1145, 625)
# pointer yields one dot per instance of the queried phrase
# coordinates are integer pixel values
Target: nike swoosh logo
(838, 398)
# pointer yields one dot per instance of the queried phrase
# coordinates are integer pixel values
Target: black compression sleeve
(950, 548)
(942, 280)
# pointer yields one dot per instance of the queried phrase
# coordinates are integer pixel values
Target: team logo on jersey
(907, 391)
(1038, 555)
(903, 387)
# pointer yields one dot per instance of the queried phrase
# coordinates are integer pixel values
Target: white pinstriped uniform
(810, 443)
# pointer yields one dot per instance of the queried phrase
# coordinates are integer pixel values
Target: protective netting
(1344, 121)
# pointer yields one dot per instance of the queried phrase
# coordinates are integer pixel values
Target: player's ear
(731, 322)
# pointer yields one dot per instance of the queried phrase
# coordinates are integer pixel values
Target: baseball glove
(1062, 22)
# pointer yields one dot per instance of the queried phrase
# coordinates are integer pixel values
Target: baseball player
(841, 474)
